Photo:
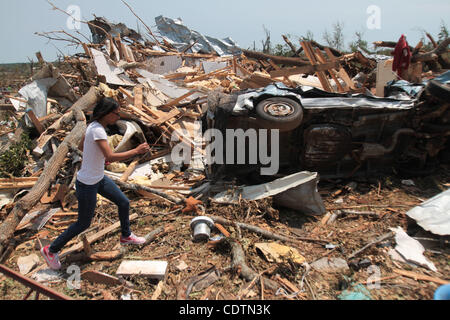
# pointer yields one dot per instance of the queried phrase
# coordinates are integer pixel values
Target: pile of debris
(164, 88)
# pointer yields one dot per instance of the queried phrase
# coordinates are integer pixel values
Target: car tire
(438, 90)
(279, 113)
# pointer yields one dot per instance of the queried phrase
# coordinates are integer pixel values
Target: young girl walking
(91, 180)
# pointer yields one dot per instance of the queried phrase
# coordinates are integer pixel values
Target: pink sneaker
(52, 259)
(132, 239)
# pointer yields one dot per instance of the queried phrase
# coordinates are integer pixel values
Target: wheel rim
(279, 109)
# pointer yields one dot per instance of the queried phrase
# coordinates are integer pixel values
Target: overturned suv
(337, 135)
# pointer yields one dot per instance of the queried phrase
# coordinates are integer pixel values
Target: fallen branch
(239, 264)
(434, 54)
(263, 232)
(418, 276)
(137, 187)
(378, 240)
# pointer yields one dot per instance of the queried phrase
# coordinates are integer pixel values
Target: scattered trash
(358, 292)
(331, 265)
(47, 275)
(275, 252)
(340, 115)
(434, 214)
(411, 249)
(26, 264)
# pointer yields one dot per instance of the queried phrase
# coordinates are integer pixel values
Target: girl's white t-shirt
(93, 164)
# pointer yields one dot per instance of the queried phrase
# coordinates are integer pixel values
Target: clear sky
(242, 20)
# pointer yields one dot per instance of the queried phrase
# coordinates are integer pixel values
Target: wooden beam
(312, 58)
(138, 98)
(18, 183)
(178, 100)
(418, 276)
(38, 125)
(322, 59)
(91, 239)
(342, 73)
(305, 69)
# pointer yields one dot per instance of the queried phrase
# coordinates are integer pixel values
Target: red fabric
(402, 56)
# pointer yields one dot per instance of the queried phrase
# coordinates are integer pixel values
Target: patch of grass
(14, 160)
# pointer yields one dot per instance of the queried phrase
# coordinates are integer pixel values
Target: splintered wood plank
(142, 114)
(138, 98)
(312, 58)
(211, 74)
(322, 59)
(87, 50)
(18, 183)
(38, 125)
(418, 276)
(342, 73)
(179, 99)
(95, 237)
(172, 114)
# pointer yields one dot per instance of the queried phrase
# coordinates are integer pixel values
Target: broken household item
(201, 228)
(434, 214)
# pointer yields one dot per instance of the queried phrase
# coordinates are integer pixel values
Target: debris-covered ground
(360, 245)
(387, 198)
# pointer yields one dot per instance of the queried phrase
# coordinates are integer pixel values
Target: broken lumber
(434, 54)
(79, 246)
(51, 170)
(17, 183)
(418, 276)
(288, 61)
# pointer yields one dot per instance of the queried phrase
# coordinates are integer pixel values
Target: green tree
(336, 38)
(443, 34)
(359, 43)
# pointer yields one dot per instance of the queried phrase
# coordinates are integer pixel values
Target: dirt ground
(387, 197)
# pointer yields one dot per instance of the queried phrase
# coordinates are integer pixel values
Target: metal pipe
(34, 285)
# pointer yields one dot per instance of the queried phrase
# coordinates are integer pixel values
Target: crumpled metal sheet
(313, 98)
(297, 191)
(434, 215)
(36, 95)
(180, 36)
(443, 78)
(113, 74)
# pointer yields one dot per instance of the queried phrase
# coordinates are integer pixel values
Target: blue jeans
(87, 201)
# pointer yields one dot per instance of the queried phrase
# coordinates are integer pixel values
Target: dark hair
(103, 107)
